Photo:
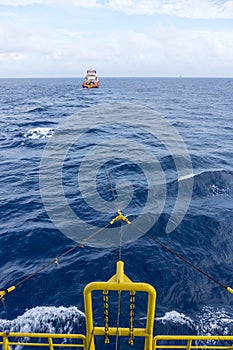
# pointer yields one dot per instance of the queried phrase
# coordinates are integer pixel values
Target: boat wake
(49, 319)
(175, 317)
(213, 321)
(208, 321)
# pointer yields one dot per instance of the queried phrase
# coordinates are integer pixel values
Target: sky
(118, 38)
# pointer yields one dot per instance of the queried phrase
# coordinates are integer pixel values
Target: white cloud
(56, 49)
(182, 8)
(78, 3)
(15, 37)
(165, 51)
(11, 56)
(188, 9)
(85, 3)
(19, 2)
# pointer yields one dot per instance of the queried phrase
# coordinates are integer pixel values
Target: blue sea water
(201, 110)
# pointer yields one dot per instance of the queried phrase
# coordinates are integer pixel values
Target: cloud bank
(117, 37)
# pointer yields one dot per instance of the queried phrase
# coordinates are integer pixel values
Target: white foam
(208, 321)
(214, 321)
(49, 319)
(175, 317)
(186, 177)
(39, 133)
(217, 191)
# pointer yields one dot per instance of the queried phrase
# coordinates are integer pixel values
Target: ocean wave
(208, 321)
(209, 182)
(176, 317)
(51, 319)
(37, 109)
(216, 182)
(30, 109)
(45, 320)
(213, 321)
(28, 123)
(39, 133)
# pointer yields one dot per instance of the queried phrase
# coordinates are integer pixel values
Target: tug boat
(91, 79)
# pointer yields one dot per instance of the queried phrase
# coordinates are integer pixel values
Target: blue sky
(62, 38)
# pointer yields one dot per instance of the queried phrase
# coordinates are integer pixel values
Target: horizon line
(122, 77)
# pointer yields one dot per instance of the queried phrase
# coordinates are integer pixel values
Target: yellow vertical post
(120, 271)
(189, 343)
(6, 345)
(89, 344)
(150, 321)
(50, 340)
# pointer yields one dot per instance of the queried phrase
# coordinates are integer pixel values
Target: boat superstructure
(91, 79)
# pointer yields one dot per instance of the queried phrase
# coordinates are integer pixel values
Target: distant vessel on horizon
(91, 79)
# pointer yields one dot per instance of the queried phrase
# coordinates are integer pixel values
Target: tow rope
(123, 219)
(229, 289)
(50, 263)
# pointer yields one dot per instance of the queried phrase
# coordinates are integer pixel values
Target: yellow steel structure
(41, 340)
(189, 342)
(119, 283)
(55, 341)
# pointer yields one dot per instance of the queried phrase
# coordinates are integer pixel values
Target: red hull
(90, 85)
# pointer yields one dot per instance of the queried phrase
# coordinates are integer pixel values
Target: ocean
(106, 160)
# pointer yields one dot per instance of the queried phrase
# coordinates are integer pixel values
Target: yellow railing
(119, 282)
(51, 341)
(189, 342)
